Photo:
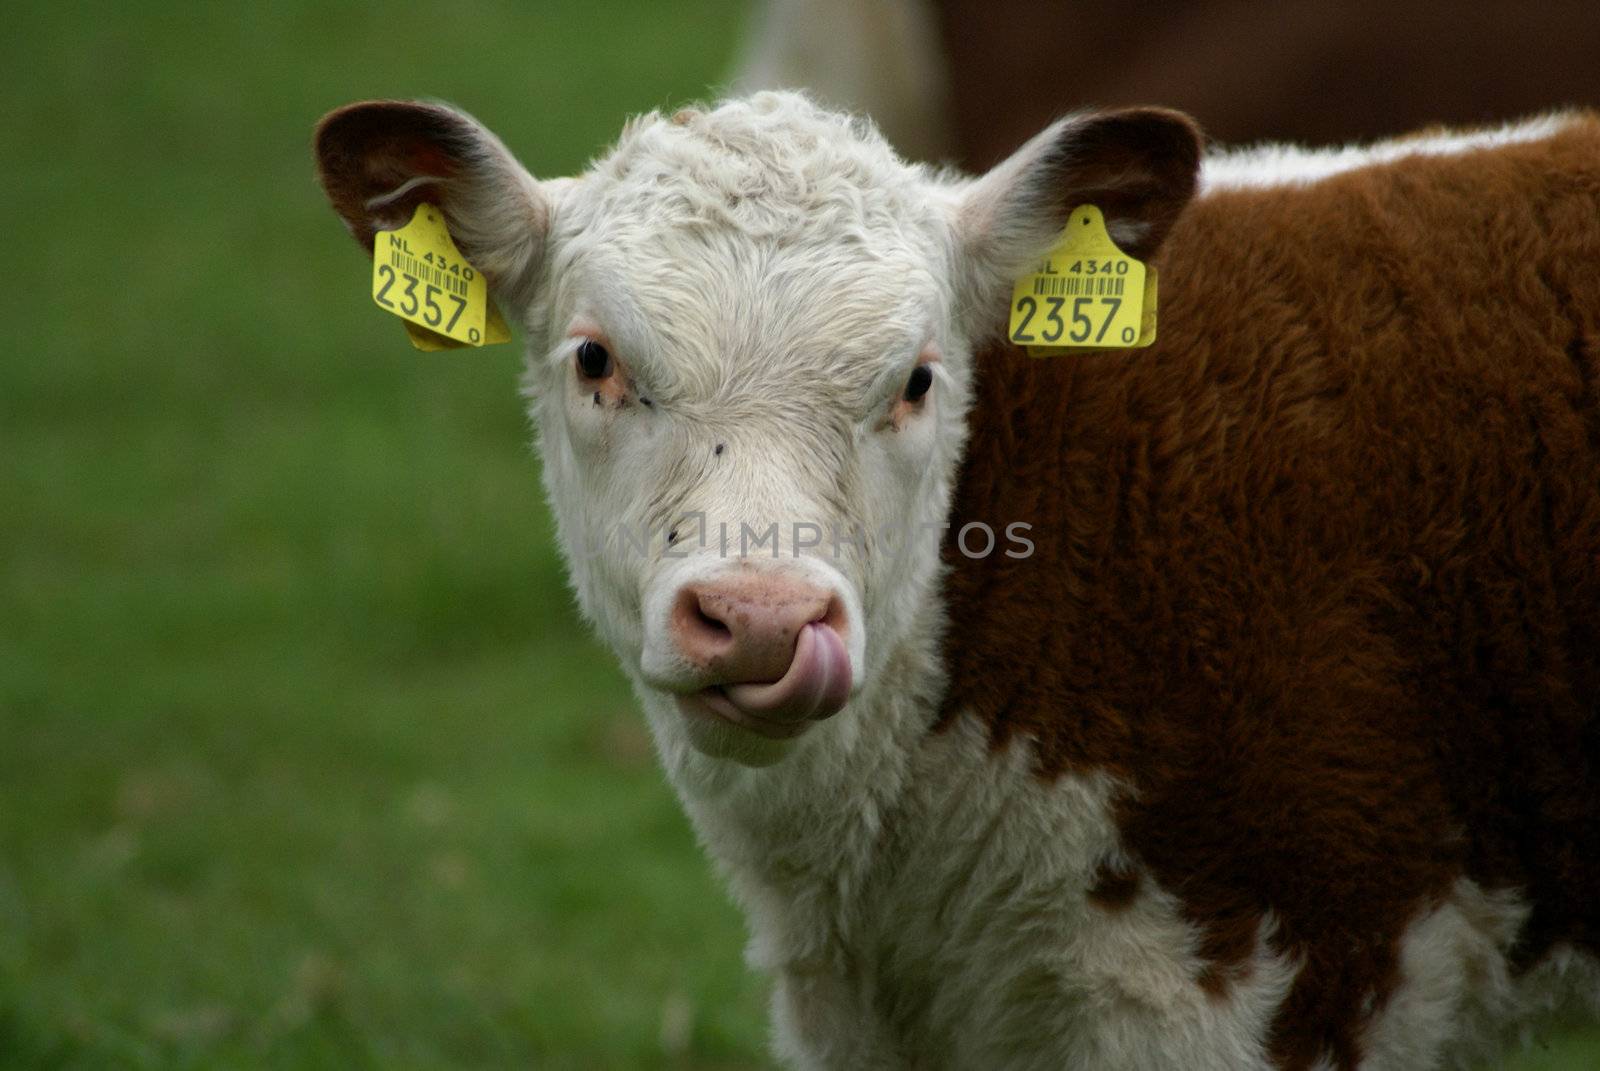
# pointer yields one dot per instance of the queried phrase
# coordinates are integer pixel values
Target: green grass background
(305, 759)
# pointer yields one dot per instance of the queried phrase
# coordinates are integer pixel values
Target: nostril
(713, 625)
(699, 625)
(834, 616)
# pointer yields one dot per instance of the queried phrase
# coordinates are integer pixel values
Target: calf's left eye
(921, 379)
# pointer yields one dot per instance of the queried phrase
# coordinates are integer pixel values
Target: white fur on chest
(927, 907)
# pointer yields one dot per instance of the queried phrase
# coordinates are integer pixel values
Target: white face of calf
(750, 337)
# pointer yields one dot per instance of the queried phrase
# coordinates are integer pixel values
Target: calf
(1262, 738)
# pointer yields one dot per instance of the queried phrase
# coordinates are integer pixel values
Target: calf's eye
(921, 379)
(594, 361)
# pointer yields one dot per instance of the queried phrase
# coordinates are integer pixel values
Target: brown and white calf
(1268, 742)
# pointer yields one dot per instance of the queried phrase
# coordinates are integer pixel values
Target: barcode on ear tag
(1085, 295)
(419, 275)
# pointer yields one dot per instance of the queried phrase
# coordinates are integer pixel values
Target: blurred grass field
(305, 759)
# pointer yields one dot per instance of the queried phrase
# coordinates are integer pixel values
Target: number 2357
(410, 303)
(1088, 326)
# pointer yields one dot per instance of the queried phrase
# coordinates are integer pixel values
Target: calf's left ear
(378, 159)
(1139, 166)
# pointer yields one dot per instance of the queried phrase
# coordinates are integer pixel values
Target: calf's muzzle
(770, 647)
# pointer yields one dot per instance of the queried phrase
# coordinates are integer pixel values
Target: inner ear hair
(379, 159)
(386, 201)
(1139, 166)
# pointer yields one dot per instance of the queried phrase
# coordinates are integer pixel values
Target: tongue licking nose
(771, 647)
(815, 685)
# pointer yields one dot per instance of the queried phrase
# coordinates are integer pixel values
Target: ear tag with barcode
(419, 275)
(1085, 295)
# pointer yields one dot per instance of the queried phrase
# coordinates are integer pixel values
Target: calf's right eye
(594, 360)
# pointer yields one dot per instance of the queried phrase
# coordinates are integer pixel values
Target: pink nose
(744, 628)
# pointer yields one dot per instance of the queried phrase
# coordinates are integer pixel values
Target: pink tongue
(815, 686)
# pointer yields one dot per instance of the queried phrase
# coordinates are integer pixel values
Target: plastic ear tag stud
(419, 275)
(1086, 295)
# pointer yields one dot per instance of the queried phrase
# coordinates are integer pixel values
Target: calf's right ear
(379, 159)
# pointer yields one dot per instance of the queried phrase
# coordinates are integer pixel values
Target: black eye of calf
(921, 379)
(594, 361)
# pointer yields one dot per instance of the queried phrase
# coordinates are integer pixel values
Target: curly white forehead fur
(764, 241)
(773, 165)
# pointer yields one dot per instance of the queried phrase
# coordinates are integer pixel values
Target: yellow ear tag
(1086, 295)
(419, 275)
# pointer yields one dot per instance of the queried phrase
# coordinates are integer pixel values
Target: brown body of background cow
(969, 80)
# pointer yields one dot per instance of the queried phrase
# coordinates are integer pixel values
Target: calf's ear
(378, 159)
(1138, 166)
